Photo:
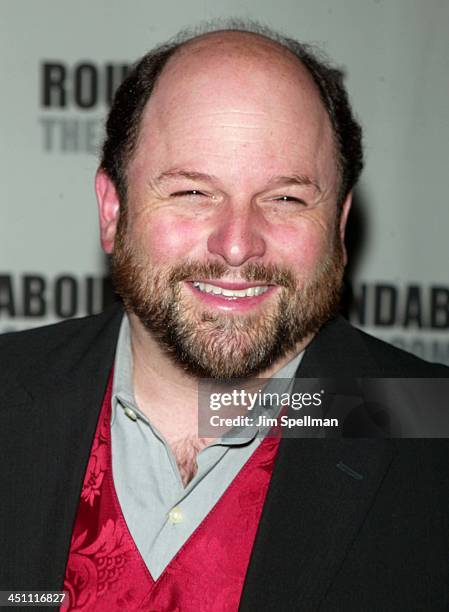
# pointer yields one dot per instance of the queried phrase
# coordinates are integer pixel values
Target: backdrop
(60, 63)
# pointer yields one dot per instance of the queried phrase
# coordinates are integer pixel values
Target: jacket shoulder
(396, 362)
(38, 345)
(340, 350)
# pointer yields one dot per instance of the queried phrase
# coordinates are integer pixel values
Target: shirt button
(175, 515)
(130, 413)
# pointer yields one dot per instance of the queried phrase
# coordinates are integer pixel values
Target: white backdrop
(396, 58)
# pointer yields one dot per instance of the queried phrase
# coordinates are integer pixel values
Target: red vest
(105, 572)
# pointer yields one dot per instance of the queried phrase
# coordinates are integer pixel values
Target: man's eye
(286, 198)
(187, 193)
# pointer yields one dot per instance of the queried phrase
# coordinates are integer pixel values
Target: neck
(164, 391)
(168, 395)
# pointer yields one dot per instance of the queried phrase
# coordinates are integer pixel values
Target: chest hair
(185, 452)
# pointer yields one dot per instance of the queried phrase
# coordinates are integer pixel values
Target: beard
(211, 344)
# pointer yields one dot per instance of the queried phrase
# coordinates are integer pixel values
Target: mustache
(271, 274)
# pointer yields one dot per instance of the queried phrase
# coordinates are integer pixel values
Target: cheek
(302, 248)
(170, 240)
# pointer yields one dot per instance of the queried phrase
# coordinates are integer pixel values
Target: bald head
(237, 43)
(239, 108)
(242, 60)
(228, 65)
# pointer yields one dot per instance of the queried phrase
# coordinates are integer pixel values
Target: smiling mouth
(231, 293)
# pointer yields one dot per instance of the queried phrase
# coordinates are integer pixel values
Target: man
(223, 191)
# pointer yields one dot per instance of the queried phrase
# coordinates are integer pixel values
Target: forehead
(241, 90)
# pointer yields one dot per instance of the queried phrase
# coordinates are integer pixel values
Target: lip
(230, 304)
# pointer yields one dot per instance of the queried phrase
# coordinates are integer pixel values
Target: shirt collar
(122, 384)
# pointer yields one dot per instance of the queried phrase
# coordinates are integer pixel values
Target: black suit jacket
(326, 541)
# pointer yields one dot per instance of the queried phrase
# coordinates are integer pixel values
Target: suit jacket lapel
(315, 504)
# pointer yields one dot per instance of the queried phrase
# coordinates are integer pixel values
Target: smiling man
(223, 192)
(230, 252)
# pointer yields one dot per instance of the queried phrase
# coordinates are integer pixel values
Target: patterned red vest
(105, 572)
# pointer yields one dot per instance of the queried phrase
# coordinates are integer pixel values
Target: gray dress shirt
(160, 512)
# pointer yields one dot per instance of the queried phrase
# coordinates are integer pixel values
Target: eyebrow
(294, 179)
(174, 174)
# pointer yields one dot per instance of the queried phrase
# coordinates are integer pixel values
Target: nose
(238, 235)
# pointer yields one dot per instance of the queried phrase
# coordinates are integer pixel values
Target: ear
(344, 213)
(108, 209)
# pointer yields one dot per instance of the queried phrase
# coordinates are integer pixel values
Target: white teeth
(250, 292)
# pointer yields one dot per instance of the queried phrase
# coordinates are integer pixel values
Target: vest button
(175, 515)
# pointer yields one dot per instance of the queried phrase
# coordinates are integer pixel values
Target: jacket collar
(338, 351)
